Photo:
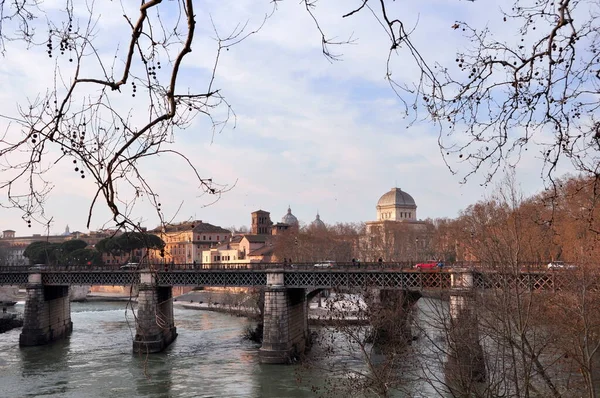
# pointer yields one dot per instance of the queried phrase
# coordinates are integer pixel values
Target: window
(203, 237)
(210, 238)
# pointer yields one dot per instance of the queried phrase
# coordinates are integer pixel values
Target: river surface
(209, 358)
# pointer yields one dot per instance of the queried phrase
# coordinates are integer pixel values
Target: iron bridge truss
(375, 279)
(308, 279)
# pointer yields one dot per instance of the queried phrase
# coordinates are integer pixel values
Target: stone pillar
(155, 326)
(466, 363)
(389, 312)
(47, 316)
(285, 322)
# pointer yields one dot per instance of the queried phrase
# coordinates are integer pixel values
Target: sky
(317, 136)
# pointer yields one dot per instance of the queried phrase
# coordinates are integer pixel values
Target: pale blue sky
(310, 134)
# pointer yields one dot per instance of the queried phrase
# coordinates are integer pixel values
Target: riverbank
(10, 321)
(99, 296)
(230, 303)
(239, 305)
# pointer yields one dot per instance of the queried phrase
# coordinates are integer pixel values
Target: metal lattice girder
(525, 280)
(222, 278)
(13, 278)
(91, 278)
(380, 279)
(302, 278)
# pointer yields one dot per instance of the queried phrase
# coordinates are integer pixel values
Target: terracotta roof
(263, 251)
(195, 226)
(206, 227)
(260, 211)
(236, 239)
(257, 238)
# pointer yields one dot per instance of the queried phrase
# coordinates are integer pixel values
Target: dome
(396, 205)
(396, 197)
(289, 218)
(318, 223)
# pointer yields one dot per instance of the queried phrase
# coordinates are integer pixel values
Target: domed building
(397, 235)
(396, 205)
(318, 223)
(289, 218)
(288, 222)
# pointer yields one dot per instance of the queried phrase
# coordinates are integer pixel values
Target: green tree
(128, 242)
(42, 252)
(70, 252)
(84, 257)
(72, 245)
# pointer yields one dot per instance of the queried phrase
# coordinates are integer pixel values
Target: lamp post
(416, 249)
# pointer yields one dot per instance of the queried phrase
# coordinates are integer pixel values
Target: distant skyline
(313, 135)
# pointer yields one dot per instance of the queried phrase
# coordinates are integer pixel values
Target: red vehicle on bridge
(430, 264)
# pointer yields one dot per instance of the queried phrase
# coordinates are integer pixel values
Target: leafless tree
(364, 347)
(529, 81)
(398, 242)
(538, 339)
(335, 242)
(81, 117)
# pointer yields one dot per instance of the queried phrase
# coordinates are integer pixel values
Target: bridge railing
(312, 266)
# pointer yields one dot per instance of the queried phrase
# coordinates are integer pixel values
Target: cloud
(314, 135)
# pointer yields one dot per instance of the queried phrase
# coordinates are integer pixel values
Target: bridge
(287, 291)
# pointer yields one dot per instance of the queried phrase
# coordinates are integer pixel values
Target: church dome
(318, 223)
(396, 197)
(396, 205)
(289, 218)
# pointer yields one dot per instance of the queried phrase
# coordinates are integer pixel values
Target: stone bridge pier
(47, 315)
(390, 312)
(155, 324)
(466, 363)
(285, 321)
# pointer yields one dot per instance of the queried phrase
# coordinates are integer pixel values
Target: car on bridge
(427, 264)
(129, 266)
(325, 264)
(560, 265)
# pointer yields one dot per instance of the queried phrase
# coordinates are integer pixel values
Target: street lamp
(416, 249)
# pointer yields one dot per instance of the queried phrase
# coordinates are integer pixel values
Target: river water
(209, 358)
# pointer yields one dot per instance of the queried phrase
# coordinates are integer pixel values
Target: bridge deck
(298, 277)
